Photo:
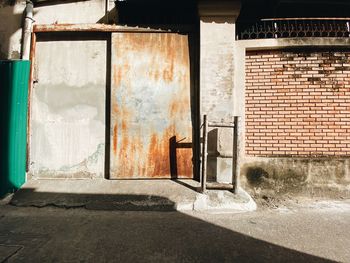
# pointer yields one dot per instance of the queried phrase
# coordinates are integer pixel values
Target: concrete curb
(224, 201)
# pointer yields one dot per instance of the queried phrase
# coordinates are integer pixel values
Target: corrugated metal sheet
(150, 106)
(14, 77)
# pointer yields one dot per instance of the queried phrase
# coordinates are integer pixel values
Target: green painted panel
(14, 76)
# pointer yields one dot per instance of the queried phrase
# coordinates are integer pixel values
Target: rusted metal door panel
(151, 128)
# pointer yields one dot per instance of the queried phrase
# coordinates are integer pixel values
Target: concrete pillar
(217, 41)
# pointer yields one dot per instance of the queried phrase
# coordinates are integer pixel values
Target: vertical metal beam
(235, 156)
(27, 30)
(106, 11)
(204, 154)
(30, 88)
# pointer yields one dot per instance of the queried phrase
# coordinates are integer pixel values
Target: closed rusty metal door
(151, 128)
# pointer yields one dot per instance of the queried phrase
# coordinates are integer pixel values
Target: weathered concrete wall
(82, 12)
(68, 109)
(217, 39)
(216, 66)
(303, 176)
(11, 28)
(11, 17)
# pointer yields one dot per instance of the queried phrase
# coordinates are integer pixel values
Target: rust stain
(115, 108)
(170, 56)
(124, 147)
(158, 165)
(115, 138)
(124, 154)
(30, 88)
(184, 155)
(156, 75)
(131, 159)
(179, 107)
(172, 53)
(184, 163)
(117, 76)
(153, 153)
(185, 58)
(168, 74)
(89, 28)
(138, 150)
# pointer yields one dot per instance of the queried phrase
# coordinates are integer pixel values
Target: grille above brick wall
(296, 27)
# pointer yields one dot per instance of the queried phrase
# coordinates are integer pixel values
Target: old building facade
(118, 90)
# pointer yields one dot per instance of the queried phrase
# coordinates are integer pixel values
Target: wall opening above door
(156, 12)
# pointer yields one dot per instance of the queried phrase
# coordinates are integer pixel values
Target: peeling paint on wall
(68, 109)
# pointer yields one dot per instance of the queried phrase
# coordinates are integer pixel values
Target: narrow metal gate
(150, 106)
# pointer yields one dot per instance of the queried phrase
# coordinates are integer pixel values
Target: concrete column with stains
(11, 28)
(217, 41)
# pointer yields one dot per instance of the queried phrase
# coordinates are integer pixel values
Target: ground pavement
(306, 232)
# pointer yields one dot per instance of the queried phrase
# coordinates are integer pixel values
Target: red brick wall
(298, 103)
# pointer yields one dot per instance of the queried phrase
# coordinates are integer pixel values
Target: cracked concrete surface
(7, 252)
(128, 195)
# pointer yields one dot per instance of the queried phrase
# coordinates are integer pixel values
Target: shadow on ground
(31, 234)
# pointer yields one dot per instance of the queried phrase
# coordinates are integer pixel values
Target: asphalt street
(309, 232)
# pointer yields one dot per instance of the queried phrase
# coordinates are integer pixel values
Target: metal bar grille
(296, 27)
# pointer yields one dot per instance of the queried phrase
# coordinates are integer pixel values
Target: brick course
(298, 103)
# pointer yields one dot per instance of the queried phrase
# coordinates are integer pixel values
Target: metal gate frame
(194, 67)
(235, 154)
